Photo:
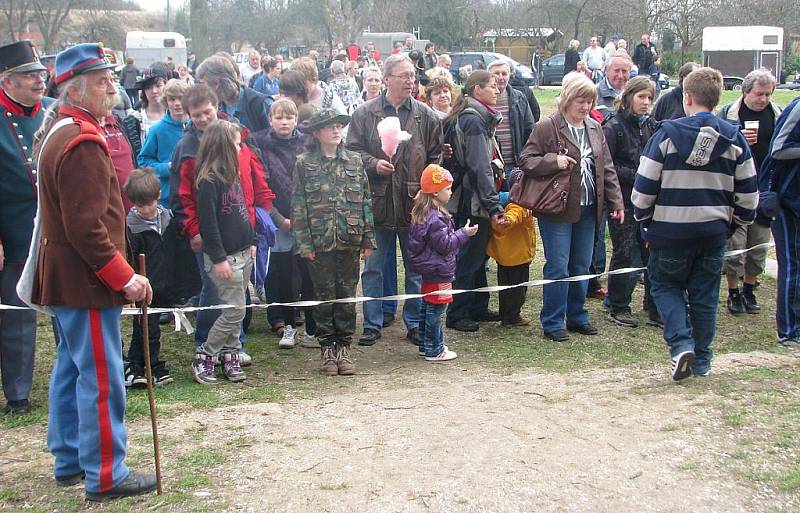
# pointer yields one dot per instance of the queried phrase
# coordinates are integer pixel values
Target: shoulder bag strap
(559, 142)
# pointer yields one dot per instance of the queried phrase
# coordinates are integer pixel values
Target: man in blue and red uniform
(84, 279)
(22, 107)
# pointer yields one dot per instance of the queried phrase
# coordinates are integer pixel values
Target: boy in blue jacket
(695, 185)
(162, 137)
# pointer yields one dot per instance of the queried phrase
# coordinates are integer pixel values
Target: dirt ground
(458, 438)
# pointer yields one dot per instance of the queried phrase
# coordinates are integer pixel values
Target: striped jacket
(695, 180)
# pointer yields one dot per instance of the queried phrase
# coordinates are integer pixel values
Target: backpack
(454, 136)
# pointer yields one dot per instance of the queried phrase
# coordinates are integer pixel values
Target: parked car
(732, 83)
(481, 60)
(552, 70)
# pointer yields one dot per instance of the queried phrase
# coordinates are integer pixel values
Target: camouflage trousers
(335, 275)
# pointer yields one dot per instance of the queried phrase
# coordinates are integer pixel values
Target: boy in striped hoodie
(695, 185)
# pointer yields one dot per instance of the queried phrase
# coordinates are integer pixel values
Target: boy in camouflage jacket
(332, 223)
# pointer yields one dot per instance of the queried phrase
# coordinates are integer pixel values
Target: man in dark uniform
(83, 279)
(22, 80)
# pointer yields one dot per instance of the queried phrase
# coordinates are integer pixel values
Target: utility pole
(169, 21)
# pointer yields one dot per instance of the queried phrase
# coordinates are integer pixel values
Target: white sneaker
(445, 356)
(421, 352)
(309, 341)
(287, 340)
(244, 359)
(682, 365)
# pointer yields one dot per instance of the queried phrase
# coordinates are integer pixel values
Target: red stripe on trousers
(103, 417)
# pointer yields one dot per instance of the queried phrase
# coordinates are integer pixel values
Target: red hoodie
(254, 185)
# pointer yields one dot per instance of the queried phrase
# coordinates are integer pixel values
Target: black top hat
(19, 57)
(150, 76)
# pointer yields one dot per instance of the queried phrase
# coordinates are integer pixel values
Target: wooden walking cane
(148, 370)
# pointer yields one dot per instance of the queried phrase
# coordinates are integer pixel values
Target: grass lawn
(758, 407)
(547, 98)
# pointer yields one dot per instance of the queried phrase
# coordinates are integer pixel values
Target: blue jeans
(568, 252)
(430, 328)
(694, 273)
(208, 297)
(372, 281)
(390, 277)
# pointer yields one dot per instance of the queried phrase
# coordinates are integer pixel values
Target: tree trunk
(198, 19)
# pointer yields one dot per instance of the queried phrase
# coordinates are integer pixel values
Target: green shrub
(672, 61)
(792, 64)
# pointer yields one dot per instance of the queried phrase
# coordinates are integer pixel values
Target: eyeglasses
(333, 128)
(408, 77)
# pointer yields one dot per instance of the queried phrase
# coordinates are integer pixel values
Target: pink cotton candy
(391, 135)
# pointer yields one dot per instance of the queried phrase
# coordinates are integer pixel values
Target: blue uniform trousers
(786, 232)
(86, 429)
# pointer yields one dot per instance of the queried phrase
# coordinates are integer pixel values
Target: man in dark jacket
(394, 182)
(247, 105)
(430, 57)
(22, 106)
(517, 123)
(644, 56)
(617, 74)
(670, 106)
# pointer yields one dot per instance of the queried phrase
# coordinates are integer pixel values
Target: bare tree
(387, 17)
(17, 14)
(98, 23)
(198, 19)
(687, 19)
(50, 16)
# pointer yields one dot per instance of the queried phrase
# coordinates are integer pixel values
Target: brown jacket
(82, 240)
(392, 195)
(538, 158)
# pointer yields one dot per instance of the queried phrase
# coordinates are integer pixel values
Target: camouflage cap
(324, 117)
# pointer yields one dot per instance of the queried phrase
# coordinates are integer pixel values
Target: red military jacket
(82, 242)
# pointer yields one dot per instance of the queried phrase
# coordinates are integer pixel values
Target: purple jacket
(433, 246)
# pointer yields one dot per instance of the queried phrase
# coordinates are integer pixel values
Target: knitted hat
(434, 179)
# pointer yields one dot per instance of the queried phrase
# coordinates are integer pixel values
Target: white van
(736, 51)
(147, 48)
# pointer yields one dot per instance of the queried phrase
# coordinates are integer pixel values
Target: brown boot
(328, 367)
(344, 360)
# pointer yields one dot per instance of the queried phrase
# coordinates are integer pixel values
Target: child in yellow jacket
(513, 246)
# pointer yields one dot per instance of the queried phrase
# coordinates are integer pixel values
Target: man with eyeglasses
(394, 182)
(22, 80)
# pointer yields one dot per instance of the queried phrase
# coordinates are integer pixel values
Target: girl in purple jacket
(433, 244)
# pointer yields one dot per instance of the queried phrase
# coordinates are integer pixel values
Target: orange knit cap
(434, 179)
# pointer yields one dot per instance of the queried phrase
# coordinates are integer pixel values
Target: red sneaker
(600, 293)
